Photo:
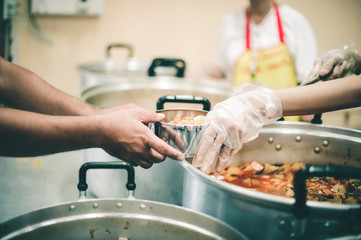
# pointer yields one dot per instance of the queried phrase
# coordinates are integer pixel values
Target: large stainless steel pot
(95, 73)
(112, 70)
(164, 181)
(264, 216)
(115, 218)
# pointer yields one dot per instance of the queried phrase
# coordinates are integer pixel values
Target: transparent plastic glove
(233, 122)
(333, 64)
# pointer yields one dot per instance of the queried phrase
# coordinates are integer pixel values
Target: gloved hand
(233, 122)
(336, 63)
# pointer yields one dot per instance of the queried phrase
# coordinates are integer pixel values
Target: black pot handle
(83, 186)
(299, 208)
(119, 45)
(177, 63)
(317, 119)
(184, 99)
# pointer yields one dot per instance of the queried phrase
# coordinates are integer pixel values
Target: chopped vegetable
(278, 180)
(198, 120)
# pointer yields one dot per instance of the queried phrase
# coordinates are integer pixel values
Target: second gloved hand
(334, 64)
(233, 122)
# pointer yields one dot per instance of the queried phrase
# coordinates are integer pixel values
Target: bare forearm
(22, 89)
(31, 134)
(321, 97)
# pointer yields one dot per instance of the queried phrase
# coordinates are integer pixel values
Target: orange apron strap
(248, 20)
(248, 23)
(279, 24)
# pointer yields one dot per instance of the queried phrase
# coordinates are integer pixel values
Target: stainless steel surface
(110, 69)
(116, 219)
(30, 183)
(146, 91)
(247, 210)
(163, 182)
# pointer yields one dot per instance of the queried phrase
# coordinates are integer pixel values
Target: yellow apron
(271, 67)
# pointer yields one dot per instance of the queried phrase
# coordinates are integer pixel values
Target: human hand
(124, 135)
(167, 134)
(233, 122)
(335, 63)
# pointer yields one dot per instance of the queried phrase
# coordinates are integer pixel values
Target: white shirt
(298, 36)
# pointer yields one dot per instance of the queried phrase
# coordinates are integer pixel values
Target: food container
(122, 219)
(281, 217)
(182, 137)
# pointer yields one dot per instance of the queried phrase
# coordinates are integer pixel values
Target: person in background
(240, 118)
(268, 44)
(39, 119)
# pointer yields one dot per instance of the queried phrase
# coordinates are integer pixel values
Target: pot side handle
(177, 63)
(83, 186)
(184, 99)
(299, 208)
(119, 45)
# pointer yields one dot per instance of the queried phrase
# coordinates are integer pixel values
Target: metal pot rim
(159, 82)
(137, 208)
(92, 67)
(273, 200)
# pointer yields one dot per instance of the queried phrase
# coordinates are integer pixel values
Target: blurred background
(53, 44)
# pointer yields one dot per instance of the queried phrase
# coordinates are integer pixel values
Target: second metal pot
(281, 217)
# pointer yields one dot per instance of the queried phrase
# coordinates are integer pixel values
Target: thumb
(149, 116)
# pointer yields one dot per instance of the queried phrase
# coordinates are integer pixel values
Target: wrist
(273, 106)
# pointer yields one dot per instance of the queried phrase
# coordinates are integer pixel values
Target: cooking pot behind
(115, 218)
(112, 70)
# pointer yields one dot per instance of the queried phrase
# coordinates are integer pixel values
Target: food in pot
(278, 180)
(198, 120)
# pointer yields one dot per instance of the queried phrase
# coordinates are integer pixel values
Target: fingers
(326, 68)
(205, 144)
(144, 163)
(165, 133)
(162, 147)
(211, 156)
(224, 156)
(173, 136)
(339, 70)
(155, 157)
(146, 116)
(147, 159)
(133, 163)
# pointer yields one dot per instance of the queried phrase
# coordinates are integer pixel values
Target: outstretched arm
(321, 97)
(22, 89)
(240, 118)
(121, 133)
(45, 120)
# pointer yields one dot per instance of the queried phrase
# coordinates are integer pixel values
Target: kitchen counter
(27, 184)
